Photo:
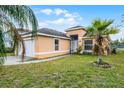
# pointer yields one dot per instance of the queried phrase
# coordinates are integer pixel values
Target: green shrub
(79, 50)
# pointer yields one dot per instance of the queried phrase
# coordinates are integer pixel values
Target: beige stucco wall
(79, 32)
(44, 47)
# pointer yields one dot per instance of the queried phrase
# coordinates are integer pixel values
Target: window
(88, 44)
(56, 42)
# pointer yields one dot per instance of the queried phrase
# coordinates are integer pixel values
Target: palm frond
(104, 24)
(111, 31)
(23, 16)
(12, 17)
(90, 31)
(101, 27)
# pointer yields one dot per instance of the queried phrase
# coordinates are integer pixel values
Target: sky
(61, 17)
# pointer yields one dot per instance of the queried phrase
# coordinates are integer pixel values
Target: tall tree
(98, 29)
(11, 18)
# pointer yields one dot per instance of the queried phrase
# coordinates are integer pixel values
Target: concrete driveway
(15, 60)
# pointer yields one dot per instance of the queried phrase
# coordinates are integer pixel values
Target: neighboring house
(50, 43)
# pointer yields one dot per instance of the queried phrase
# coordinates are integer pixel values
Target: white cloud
(59, 21)
(64, 18)
(63, 21)
(68, 15)
(42, 24)
(59, 11)
(62, 12)
(72, 21)
(46, 11)
(56, 11)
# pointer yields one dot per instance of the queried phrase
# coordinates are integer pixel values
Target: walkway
(15, 60)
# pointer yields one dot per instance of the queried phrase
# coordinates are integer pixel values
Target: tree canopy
(101, 27)
(11, 18)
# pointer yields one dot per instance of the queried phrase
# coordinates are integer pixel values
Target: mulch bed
(102, 65)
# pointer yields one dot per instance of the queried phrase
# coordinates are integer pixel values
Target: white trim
(47, 35)
(27, 35)
(87, 38)
(28, 39)
(53, 36)
(43, 53)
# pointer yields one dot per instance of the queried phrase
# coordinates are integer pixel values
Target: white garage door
(29, 48)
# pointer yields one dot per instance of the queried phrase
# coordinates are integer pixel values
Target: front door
(74, 46)
(74, 43)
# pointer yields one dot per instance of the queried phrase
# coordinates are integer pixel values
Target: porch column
(80, 42)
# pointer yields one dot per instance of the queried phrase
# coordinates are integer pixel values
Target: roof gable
(75, 28)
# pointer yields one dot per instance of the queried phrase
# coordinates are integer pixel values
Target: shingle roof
(49, 32)
(75, 27)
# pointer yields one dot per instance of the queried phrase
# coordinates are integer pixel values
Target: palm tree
(98, 29)
(11, 18)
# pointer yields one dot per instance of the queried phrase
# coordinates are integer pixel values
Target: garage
(29, 48)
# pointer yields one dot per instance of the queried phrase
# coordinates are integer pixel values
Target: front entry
(74, 43)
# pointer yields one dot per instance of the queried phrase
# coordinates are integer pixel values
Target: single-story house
(50, 43)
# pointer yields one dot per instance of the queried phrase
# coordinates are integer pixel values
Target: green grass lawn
(71, 71)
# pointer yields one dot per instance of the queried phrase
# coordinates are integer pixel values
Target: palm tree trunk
(100, 61)
(23, 50)
(99, 41)
(22, 43)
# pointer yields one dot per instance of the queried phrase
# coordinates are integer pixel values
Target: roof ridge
(52, 32)
(50, 29)
(75, 27)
